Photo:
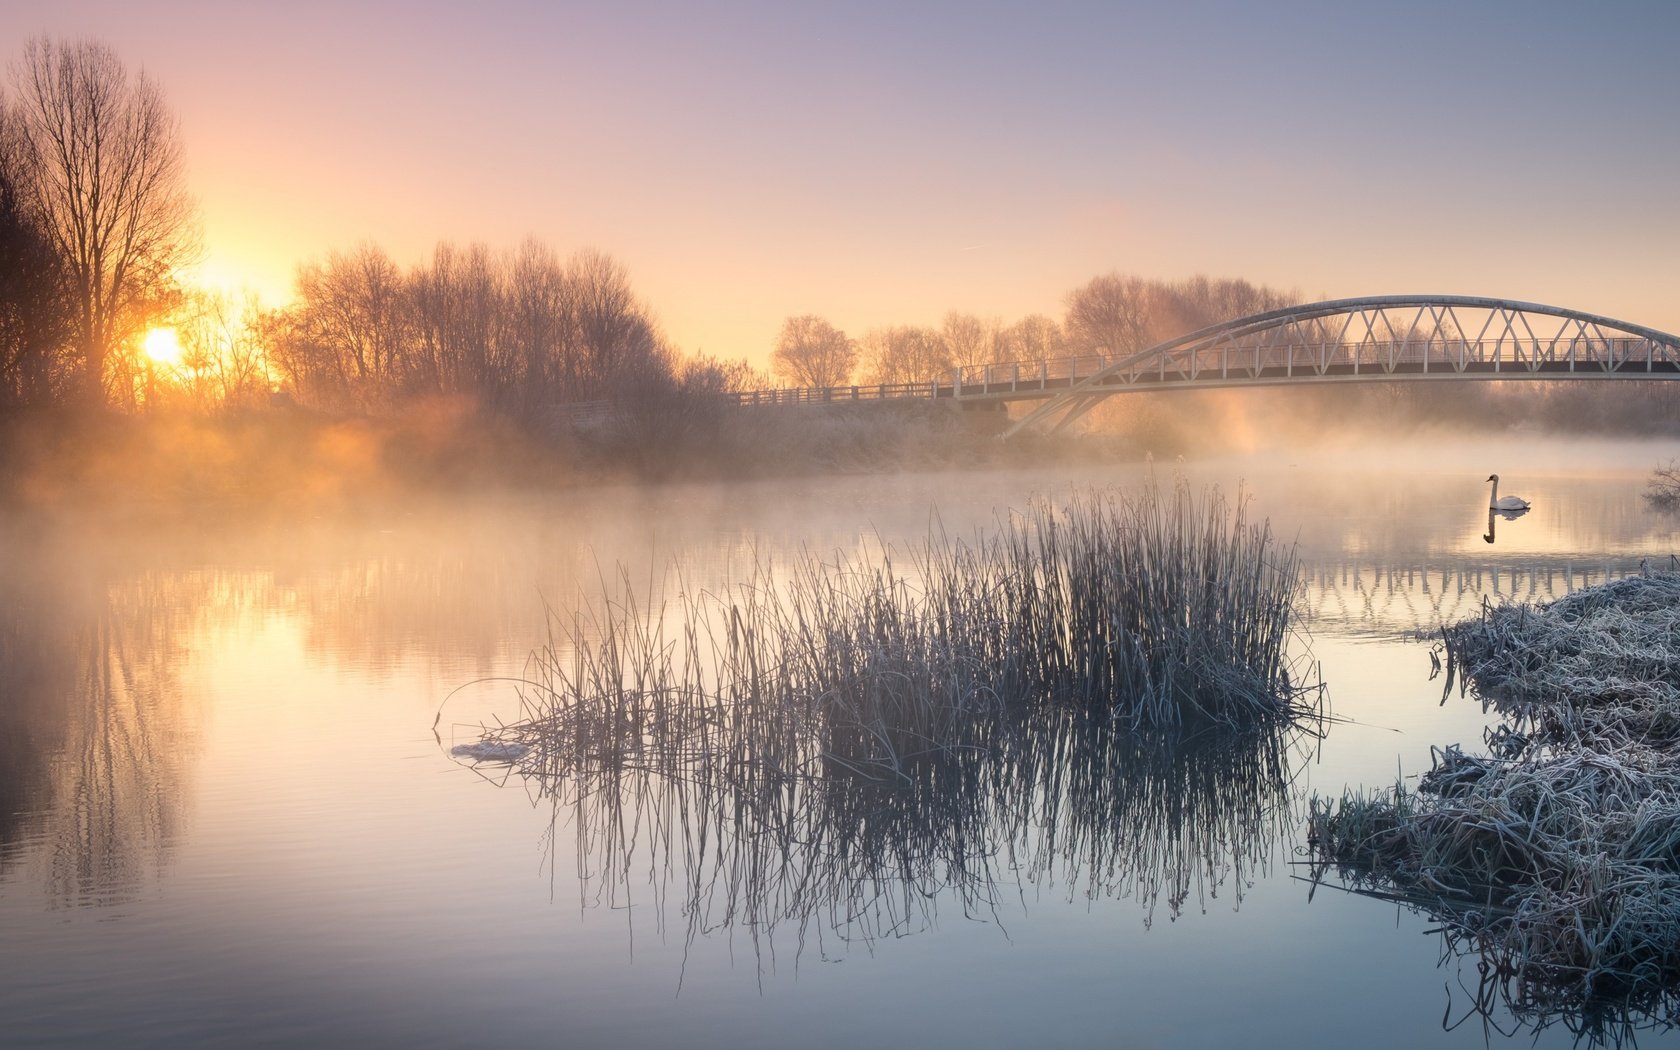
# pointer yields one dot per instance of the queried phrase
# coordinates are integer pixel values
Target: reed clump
(1555, 856)
(1100, 689)
(1663, 489)
(1161, 610)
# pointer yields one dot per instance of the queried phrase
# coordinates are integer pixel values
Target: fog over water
(229, 813)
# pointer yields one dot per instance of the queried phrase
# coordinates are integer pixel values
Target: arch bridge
(1374, 339)
(1381, 339)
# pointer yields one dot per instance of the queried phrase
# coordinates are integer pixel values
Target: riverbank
(288, 457)
(1554, 856)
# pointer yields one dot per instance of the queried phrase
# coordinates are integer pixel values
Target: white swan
(1508, 503)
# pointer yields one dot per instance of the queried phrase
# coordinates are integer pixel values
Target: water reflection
(1389, 597)
(1056, 801)
(99, 738)
(1504, 996)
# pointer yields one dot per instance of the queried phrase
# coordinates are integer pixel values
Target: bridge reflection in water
(1379, 597)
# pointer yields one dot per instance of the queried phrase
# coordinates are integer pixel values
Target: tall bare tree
(613, 337)
(102, 165)
(1110, 314)
(811, 352)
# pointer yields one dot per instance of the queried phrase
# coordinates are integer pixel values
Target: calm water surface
(228, 812)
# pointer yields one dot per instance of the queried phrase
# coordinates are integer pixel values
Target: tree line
(1112, 314)
(517, 332)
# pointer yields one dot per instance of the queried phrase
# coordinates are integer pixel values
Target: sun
(162, 346)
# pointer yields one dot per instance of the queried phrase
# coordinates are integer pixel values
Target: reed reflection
(1055, 799)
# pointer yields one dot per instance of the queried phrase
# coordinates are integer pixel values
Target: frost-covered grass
(1556, 855)
(1663, 490)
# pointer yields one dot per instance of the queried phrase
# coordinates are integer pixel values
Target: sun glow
(162, 346)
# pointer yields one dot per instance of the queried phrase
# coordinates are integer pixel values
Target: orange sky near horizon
(885, 164)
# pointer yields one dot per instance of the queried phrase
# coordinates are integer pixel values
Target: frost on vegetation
(489, 750)
(1663, 490)
(1554, 858)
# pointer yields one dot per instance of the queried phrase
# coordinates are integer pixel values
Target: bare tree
(457, 310)
(222, 359)
(905, 354)
(612, 341)
(811, 352)
(102, 164)
(345, 340)
(1199, 301)
(969, 340)
(1032, 338)
(539, 305)
(1110, 314)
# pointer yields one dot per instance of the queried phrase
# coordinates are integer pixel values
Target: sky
(884, 163)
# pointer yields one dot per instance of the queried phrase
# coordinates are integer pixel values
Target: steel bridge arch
(1295, 344)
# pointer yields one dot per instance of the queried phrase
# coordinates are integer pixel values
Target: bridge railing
(819, 395)
(1030, 374)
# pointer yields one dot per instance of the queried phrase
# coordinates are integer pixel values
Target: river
(229, 814)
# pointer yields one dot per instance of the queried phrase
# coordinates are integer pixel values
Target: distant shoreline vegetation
(281, 454)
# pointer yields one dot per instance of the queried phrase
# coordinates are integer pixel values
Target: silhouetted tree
(35, 321)
(537, 325)
(811, 352)
(344, 342)
(458, 309)
(101, 164)
(222, 355)
(613, 338)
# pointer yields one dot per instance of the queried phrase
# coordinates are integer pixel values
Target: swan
(1508, 503)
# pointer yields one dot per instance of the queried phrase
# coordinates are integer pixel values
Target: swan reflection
(1507, 515)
